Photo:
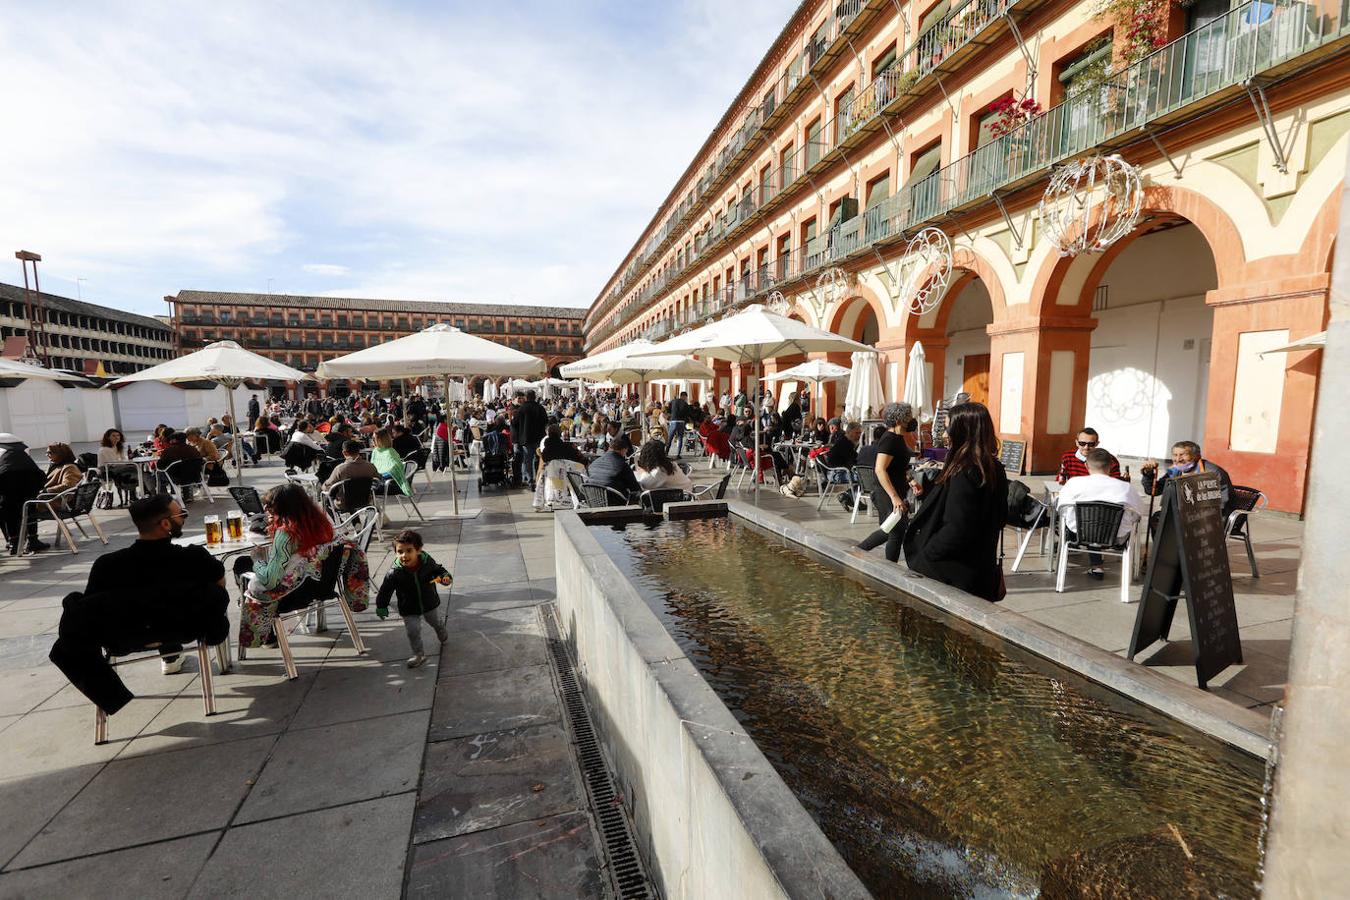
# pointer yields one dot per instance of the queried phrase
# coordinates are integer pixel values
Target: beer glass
(234, 525)
(214, 534)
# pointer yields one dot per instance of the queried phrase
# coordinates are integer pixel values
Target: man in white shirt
(1098, 485)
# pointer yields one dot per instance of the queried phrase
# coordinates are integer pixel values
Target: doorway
(975, 377)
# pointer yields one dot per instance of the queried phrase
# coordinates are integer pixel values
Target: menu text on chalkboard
(1010, 453)
(1190, 558)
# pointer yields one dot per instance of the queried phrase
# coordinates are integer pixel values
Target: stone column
(1041, 365)
(1311, 810)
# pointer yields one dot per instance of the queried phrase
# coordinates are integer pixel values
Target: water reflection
(942, 763)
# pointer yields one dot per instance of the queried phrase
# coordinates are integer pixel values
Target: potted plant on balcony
(1010, 114)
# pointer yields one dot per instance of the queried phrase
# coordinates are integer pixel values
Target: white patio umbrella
(751, 336)
(917, 392)
(225, 363)
(864, 387)
(1311, 342)
(12, 368)
(441, 350)
(489, 391)
(814, 371)
(634, 364)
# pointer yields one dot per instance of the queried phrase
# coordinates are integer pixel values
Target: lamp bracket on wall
(956, 115)
(1256, 92)
(1026, 51)
(1153, 136)
(1007, 219)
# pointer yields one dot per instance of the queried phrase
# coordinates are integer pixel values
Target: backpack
(1021, 506)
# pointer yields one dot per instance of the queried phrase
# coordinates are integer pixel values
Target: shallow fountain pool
(939, 760)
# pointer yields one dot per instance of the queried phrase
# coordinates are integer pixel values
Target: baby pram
(492, 461)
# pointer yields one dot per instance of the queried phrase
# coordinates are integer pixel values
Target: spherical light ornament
(831, 285)
(1066, 208)
(930, 270)
(777, 303)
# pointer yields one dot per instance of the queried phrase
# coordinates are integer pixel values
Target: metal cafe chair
(577, 488)
(186, 473)
(419, 458)
(348, 496)
(824, 482)
(1238, 526)
(865, 484)
(389, 488)
(655, 500)
(717, 491)
(67, 506)
(1097, 527)
(222, 653)
(309, 593)
(1039, 522)
(599, 496)
(359, 527)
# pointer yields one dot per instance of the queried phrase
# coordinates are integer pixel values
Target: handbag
(1001, 584)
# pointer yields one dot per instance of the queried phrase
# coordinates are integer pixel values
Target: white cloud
(512, 154)
(327, 269)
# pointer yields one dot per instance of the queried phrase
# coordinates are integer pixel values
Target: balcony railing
(1221, 54)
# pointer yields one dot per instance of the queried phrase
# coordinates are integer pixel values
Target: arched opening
(968, 314)
(1148, 369)
(857, 320)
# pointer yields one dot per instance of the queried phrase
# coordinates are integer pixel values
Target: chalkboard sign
(1010, 453)
(1190, 557)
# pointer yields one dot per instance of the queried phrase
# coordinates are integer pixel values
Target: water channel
(940, 761)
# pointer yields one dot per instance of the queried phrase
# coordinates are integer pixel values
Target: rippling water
(942, 762)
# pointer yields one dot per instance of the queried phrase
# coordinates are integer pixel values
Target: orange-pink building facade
(866, 122)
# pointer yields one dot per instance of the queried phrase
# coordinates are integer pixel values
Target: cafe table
(224, 548)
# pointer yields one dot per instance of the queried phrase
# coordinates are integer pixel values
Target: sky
(500, 152)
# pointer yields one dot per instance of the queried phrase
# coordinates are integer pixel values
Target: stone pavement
(367, 778)
(361, 777)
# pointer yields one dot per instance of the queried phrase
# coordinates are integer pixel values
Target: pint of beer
(214, 533)
(234, 525)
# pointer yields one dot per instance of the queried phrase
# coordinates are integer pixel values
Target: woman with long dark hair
(655, 470)
(954, 536)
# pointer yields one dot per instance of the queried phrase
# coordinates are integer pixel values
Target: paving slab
(536, 860)
(163, 870)
(361, 689)
(486, 598)
(336, 764)
(31, 801)
(498, 639)
(356, 850)
(208, 784)
(53, 740)
(496, 779)
(28, 688)
(494, 701)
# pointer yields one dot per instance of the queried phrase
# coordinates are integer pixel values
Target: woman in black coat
(954, 536)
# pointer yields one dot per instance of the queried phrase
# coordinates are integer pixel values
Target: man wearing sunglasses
(154, 556)
(1073, 464)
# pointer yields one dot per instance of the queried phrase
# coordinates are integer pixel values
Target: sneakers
(416, 660)
(37, 546)
(171, 668)
(1097, 573)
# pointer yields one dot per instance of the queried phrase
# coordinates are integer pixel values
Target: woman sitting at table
(62, 472)
(655, 471)
(385, 458)
(159, 439)
(299, 532)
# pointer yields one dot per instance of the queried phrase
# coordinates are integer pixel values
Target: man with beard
(158, 520)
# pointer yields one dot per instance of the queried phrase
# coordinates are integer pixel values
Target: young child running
(414, 578)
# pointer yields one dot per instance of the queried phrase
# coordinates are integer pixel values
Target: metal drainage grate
(621, 856)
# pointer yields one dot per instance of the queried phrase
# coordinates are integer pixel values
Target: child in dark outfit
(413, 579)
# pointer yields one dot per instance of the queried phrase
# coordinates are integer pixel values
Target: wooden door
(975, 379)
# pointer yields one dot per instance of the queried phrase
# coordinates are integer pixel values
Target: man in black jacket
(678, 424)
(528, 426)
(611, 469)
(20, 481)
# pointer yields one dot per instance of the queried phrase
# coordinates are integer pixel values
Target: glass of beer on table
(234, 525)
(214, 533)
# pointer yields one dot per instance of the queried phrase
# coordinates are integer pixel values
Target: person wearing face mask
(1073, 464)
(1186, 459)
(158, 520)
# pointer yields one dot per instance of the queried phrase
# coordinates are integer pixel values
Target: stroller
(492, 462)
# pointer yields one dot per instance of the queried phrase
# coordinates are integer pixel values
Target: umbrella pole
(759, 371)
(450, 435)
(234, 436)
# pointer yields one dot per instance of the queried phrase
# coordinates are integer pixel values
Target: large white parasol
(814, 372)
(441, 350)
(865, 395)
(634, 364)
(917, 392)
(10, 368)
(225, 363)
(751, 336)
